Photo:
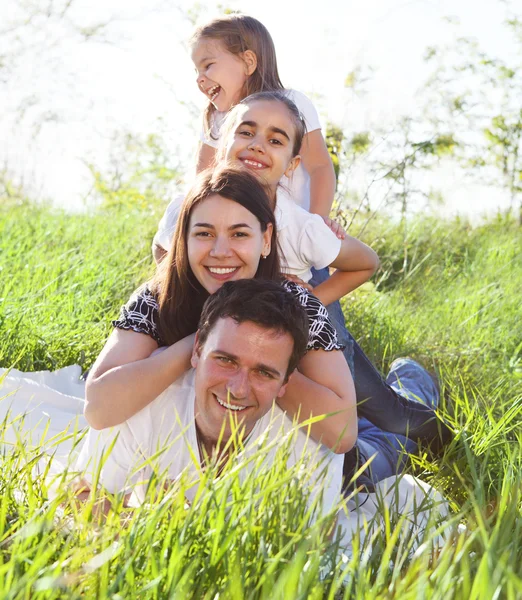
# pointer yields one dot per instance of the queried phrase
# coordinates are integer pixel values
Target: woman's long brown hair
(181, 296)
(239, 33)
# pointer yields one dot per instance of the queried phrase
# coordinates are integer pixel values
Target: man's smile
(228, 406)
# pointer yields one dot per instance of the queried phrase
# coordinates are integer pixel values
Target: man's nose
(221, 247)
(238, 386)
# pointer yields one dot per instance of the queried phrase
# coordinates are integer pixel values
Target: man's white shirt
(162, 438)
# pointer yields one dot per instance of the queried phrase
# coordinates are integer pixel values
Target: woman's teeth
(221, 270)
(230, 406)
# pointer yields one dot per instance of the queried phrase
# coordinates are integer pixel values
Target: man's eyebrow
(273, 129)
(232, 227)
(259, 366)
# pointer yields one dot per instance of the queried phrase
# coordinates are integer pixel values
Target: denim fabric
(394, 414)
(335, 312)
(389, 452)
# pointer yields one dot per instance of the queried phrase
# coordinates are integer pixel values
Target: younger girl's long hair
(181, 296)
(239, 33)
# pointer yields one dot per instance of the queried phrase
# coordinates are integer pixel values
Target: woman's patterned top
(141, 314)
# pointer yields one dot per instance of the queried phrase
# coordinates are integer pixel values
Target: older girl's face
(224, 242)
(262, 140)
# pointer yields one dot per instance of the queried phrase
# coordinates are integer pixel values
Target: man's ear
(283, 387)
(292, 166)
(196, 351)
(250, 59)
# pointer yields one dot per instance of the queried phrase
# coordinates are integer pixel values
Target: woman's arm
(318, 163)
(125, 377)
(323, 384)
(355, 264)
(205, 157)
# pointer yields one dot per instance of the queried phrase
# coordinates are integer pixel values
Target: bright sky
(145, 73)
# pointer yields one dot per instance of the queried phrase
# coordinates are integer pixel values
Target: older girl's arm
(355, 264)
(128, 375)
(323, 384)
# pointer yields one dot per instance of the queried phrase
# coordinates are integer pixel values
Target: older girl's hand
(335, 227)
(299, 281)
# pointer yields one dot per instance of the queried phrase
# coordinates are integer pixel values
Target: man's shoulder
(169, 411)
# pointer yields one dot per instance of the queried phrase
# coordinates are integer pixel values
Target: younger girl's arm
(205, 157)
(318, 163)
(355, 264)
(125, 377)
(323, 384)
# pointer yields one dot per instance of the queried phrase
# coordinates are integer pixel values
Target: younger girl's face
(262, 140)
(224, 242)
(221, 75)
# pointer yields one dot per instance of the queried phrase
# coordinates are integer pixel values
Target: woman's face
(262, 139)
(224, 242)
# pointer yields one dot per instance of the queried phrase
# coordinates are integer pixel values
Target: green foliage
(334, 142)
(64, 277)
(142, 174)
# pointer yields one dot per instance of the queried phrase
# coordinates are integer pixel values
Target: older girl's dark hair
(180, 295)
(231, 121)
(239, 33)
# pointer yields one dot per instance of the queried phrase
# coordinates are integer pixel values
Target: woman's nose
(221, 247)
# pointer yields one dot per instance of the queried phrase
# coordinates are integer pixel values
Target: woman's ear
(250, 59)
(267, 240)
(292, 165)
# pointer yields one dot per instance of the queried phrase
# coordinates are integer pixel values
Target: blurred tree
(481, 95)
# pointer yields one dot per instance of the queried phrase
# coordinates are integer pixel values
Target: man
(251, 336)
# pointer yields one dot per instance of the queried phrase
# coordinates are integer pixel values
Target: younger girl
(234, 57)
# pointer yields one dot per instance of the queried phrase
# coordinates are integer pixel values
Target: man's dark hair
(260, 301)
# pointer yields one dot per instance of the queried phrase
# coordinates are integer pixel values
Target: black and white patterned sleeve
(141, 314)
(321, 332)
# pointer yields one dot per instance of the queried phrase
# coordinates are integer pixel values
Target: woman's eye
(240, 234)
(203, 234)
(276, 142)
(245, 133)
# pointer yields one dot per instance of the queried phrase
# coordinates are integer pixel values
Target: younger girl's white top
(298, 185)
(305, 241)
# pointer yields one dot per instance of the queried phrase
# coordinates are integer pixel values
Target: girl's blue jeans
(393, 412)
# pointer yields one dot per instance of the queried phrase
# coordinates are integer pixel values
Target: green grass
(447, 294)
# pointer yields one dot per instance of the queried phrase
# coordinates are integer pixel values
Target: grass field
(447, 294)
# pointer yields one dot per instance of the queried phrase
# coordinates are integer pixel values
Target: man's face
(240, 371)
